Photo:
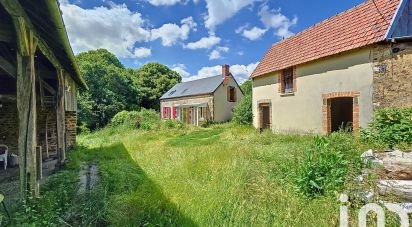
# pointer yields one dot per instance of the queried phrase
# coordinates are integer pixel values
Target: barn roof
(46, 19)
(203, 86)
(360, 26)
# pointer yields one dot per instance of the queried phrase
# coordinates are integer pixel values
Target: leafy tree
(246, 87)
(243, 111)
(111, 88)
(153, 80)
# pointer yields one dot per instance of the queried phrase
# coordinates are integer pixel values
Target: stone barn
(39, 81)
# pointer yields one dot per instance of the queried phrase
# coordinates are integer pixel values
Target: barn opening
(341, 110)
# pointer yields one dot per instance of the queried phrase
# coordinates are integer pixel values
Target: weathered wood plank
(26, 105)
(22, 23)
(60, 116)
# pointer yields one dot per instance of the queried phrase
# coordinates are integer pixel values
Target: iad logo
(372, 207)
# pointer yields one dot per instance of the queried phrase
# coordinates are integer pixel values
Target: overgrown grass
(221, 176)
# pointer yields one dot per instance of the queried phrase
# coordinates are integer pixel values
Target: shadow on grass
(125, 195)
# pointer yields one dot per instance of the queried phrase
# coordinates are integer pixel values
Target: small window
(287, 81)
(231, 94)
(172, 92)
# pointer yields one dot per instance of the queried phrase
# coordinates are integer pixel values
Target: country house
(335, 74)
(208, 99)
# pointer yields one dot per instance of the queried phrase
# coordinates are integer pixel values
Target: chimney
(225, 73)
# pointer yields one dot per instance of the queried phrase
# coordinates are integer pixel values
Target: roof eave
(56, 16)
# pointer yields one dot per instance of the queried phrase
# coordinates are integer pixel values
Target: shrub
(145, 119)
(149, 119)
(325, 165)
(390, 127)
(170, 124)
(125, 118)
(243, 111)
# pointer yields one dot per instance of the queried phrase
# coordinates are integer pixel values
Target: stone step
(402, 189)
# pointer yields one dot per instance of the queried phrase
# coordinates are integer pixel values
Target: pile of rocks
(394, 171)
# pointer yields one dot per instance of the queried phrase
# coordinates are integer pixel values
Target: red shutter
(163, 112)
(169, 112)
(174, 112)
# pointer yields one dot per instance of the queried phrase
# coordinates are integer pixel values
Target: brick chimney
(225, 73)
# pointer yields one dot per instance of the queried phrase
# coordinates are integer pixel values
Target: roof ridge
(324, 21)
(359, 26)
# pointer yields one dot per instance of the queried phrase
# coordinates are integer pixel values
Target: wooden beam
(8, 97)
(21, 22)
(8, 67)
(26, 105)
(48, 87)
(60, 116)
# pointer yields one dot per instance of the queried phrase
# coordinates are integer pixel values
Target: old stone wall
(46, 119)
(392, 81)
(9, 126)
(71, 131)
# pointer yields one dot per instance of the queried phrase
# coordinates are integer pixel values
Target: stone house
(39, 80)
(208, 99)
(338, 72)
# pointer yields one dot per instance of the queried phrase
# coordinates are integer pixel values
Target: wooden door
(265, 117)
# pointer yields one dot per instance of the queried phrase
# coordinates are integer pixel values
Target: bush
(325, 165)
(170, 124)
(145, 119)
(243, 111)
(125, 118)
(149, 119)
(390, 127)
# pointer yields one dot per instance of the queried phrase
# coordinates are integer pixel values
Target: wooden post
(39, 158)
(26, 105)
(61, 145)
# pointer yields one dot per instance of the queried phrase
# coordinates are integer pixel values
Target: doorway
(341, 114)
(265, 120)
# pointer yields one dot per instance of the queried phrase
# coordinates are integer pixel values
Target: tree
(246, 87)
(153, 80)
(243, 113)
(111, 88)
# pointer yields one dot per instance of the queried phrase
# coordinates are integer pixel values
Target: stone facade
(187, 101)
(392, 81)
(46, 119)
(9, 126)
(71, 128)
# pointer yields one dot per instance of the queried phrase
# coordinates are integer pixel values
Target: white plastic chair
(3, 156)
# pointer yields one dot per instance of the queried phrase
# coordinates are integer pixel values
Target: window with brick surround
(287, 81)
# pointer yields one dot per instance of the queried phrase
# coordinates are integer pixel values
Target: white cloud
(170, 34)
(243, 72)
(276, 20)
(116, 28)
(254, 33)
(240, 72)
(163, 2)
(181, 69)
(217, 53)
(203, 43)
(142, 52)
(218, 11)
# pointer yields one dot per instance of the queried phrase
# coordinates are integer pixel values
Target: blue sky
(193, 37)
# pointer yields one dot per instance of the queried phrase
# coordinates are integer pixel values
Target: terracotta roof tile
(360, 26)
